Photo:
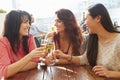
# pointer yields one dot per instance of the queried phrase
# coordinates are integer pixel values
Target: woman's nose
(55, 24)
(28, 25)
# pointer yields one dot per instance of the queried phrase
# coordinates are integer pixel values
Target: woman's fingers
(48, 60)
(100, 71)
(38, 52)
(56, 53)
(59, 54)
(97, 68)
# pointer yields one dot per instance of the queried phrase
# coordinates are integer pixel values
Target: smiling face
(59, 25)
(92, 23)
(89, 22)
(24, 27)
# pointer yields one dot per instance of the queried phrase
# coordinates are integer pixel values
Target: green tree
(2, 11)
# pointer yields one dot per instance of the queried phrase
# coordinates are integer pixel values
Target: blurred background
(43, 10)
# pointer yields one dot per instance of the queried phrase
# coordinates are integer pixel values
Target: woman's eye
(57, 20)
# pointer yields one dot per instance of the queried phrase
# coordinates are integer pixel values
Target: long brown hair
(72, 30)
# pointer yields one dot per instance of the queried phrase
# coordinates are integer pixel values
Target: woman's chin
(57, 30)
(26, 34)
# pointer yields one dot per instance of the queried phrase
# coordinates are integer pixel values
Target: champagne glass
(50, 45)
(43, 43)
(50, 48)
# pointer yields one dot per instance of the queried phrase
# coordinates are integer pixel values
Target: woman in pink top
(17, 46)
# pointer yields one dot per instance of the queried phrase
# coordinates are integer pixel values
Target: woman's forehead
(56, 17)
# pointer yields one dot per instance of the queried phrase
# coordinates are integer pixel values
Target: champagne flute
(50, 48)
(42, 44)
(50, 45)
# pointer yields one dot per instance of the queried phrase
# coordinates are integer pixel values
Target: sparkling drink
(50, 47)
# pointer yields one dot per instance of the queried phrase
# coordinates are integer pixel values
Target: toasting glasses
(50, 47)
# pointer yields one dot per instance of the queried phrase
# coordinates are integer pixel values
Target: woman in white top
(103, 49)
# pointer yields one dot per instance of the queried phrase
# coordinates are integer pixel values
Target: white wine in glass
(42, 44)
(50, 48)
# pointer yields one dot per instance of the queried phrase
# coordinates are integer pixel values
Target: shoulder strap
(68, 48)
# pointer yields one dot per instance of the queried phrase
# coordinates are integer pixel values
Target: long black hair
(92, 48)
(12, 25)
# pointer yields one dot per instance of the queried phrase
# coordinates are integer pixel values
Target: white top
(108, 54)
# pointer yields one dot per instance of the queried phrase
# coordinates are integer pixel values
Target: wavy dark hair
(12, 25)
(72, 30)
(92, 47)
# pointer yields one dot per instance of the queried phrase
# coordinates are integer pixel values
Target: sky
(40, 8)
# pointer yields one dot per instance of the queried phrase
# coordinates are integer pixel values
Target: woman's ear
(98, 18)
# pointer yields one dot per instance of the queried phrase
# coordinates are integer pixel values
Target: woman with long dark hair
(17, 46)
(68, 37)
(103, 49)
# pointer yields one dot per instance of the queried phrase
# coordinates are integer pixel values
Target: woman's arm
(114, 74)
(66, 59)
(30, 65)
(17, 66)
(25, 63)
(102, 71)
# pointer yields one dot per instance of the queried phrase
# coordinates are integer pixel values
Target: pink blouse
(7, 56)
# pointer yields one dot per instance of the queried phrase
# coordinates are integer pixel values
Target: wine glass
(50, 48)
(43, 43)
(50, 45)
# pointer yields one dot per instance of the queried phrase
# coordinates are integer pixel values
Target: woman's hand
(101, 71)
(37, 53)
(49, 60)
(59, 54)
(49, 35)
